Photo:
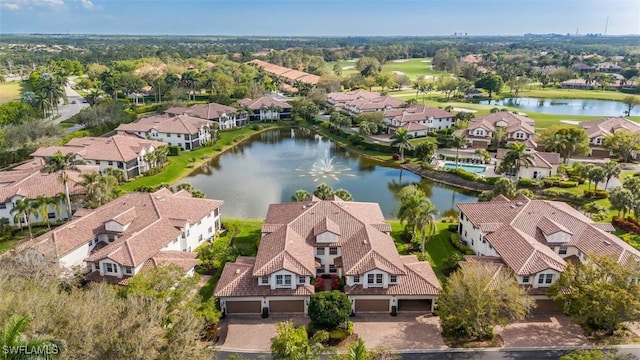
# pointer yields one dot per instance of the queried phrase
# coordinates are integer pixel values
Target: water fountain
(326, 168)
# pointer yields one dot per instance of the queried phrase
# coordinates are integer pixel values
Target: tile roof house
(583, 68)
(286, 74)
(544, 164)
(418, 120)
(380, 103)
(340, 99)
(185, 131)
(536, 238)
(599, 129)
(121, 151)
(302, 240)
(266, 108)
(608, 67)
(579, 84)
(226, 116)
(481, 129)
(132, 233)
(28, 181)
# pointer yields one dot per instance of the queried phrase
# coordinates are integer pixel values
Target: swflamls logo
(50, 349)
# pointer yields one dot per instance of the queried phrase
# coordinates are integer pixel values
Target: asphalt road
(534, 354)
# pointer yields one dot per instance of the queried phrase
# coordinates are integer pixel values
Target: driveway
(542, 330)
(251, 332)
(402, 332)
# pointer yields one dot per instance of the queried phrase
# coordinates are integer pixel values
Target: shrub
(394, 310)
(174, 150)
(319, 284)
(567, 184)
(457, 243)
(598, 194)
(550, 182)
(265, 312)
(525, 182)
(256, 127)
(491, 180)
(625, 225)
(467, 175)
(396, 156)
(328, 309)
(453, 228)
(338, 335)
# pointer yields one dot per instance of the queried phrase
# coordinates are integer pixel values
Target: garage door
(600, 153)
(479, 144)
(414, 305)
(546, 306)
(372, 306)
(243, 307)
(286, 306)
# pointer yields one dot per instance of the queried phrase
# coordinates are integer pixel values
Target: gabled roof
(376, 104)
(179, 124)
(540, 159)
(211, 111)
(265, 101)
(521, 241)
(343, 97)
(121, 147)
(514, 122)
(417, 113)
(287, 73)
(29, 181)
(154, 220)
(607, 126)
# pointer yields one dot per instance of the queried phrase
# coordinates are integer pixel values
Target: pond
(566, 106)
(271, 166)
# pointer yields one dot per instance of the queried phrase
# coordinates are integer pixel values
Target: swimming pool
(470, 168)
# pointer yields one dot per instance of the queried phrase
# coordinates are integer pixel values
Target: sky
(320, 18)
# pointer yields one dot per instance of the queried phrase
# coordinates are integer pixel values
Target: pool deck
(489, 169)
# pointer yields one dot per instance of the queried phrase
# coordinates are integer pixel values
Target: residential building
(122, 151)
(340, 99)
(579, 84)
(599, 129)
(536, 238)
(381, 103)
(544, 164)
(608, 67)
(418, 120)
(132, 233)
(266, 108)
(290, 76)
(583, 68)
(185, 131)
(29, 181)
(226, 116)
(302, 240)
(482, 128)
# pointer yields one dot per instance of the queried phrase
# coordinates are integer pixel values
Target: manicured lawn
(573, 94)
(412, 67)
(248, 238)
(12, 90)
(181, 165)
(7, 245)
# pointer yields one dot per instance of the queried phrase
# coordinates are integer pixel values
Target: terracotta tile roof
(114, 280)
(237, 280)
(414, 126)
(419, 279)
(265, 101)
(185, 260)
(179, 124)
(513, 122)
(344, 97)
(521, 240)
(30, 182)
(607, 126)
(152, 228)
(540, 159)
(176, 110)
(326, 224)
(417, 113)
(121, 147)
(284, 72)
(211, 111)
(376, 104)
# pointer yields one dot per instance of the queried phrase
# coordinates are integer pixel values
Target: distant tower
(606, 25)
(577, 31)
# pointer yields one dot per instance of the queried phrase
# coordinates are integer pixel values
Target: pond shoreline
(443, 177)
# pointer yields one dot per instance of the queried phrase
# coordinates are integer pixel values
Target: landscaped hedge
(530, 183)
(598, 194)
(467, 175)
(551, 181)
(457, 243)
(627, 225)
(567, 184)
(174, 150)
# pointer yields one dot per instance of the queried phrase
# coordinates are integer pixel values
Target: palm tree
(426, 220)
(22, 210)
(191, 81)
(62, 164)
(611, 169)
(93, 96)
(301, 195)
(12, 336)
(499, 136)
(42, 205)
(401, 140)
(99, 189)
(517, 157)
(358, 351)
(458, 141)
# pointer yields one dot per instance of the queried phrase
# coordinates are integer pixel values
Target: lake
(271, 166)
(566, 106)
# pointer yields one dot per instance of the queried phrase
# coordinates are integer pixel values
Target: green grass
(183, 164)
(412, 67)
(631, 239)
(438, 249)
(12, 90)
(247, 240)
(7, 245)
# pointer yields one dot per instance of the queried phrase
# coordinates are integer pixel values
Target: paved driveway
(402, 332)
(543, 331)
(252, 332)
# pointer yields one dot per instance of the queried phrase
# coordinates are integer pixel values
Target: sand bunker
(400, 61)
(348, 67)
(463, 110)
(398, 72)
(570, 122)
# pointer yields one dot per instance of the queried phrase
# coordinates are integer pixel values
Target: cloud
(87, 4)
(18, 4)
